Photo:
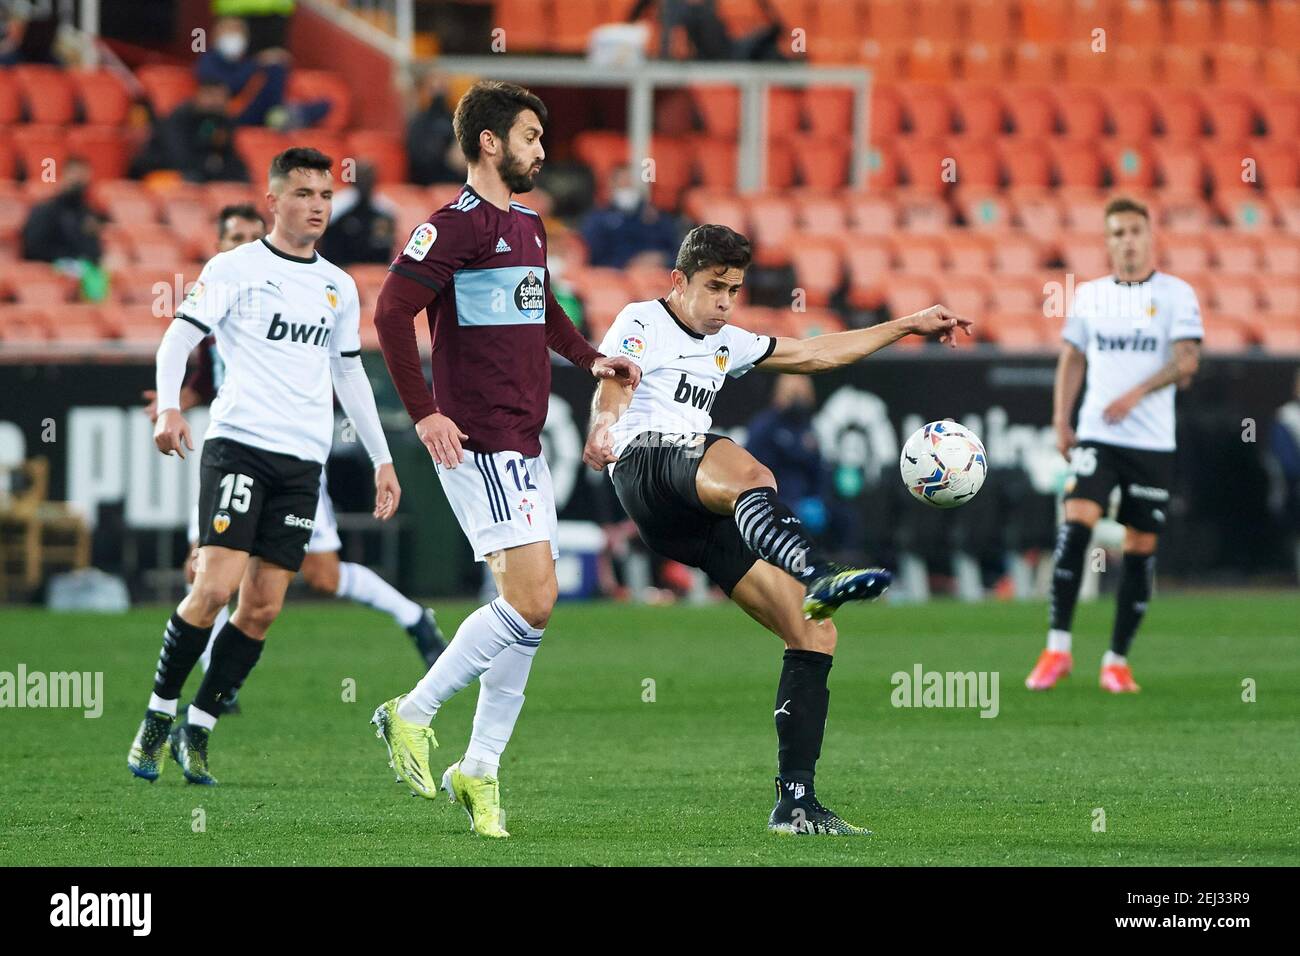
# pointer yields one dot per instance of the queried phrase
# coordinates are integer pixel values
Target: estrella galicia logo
(303, 332)
(530, 297)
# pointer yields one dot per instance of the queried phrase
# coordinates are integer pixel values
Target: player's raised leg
(775, 600)
(1137, 574)
(1072, 537)
(186, 635)
(730, 481)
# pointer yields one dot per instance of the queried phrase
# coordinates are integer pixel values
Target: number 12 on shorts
(236, 492)
(520, 469)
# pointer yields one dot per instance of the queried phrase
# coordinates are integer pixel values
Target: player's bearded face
(518, 172)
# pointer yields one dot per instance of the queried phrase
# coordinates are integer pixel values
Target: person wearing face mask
(256, 83)
(362, 226)
(65, 227)
(268, 20)
(197, 140)
(629, 228)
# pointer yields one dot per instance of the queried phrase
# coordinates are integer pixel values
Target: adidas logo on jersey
(697, 396)
(298, 331)
(503, 246)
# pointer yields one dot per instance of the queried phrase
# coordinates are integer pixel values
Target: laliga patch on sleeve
(418, 246)
(632, 346)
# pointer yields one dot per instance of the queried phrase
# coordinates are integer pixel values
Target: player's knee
(259, 613)
(1082, 511)
(754, 476)
(819, 636)
(211, 595)
(321, 576)
(535, 607)
(1139, 542)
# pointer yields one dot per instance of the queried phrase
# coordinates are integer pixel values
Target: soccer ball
(944, 464)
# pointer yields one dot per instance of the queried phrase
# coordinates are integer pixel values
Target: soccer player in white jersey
(1136, 334)
(287, 325)
(701, 499)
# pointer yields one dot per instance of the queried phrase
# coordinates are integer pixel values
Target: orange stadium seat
(1234, 294)
(822, 215)
(818, 268)
(1281, 112)
(1183, 66)
(981, 112)
(985, 63)
(23, 325)
(930, 112)
(725, 208)
(1039, 213)
(978, 164)
(1281, 256)
(718, 108)
(1086, 65)
(1282, 68)
(1084, 254)
(868, 261)
(843, 22)
(1225, 334)
(715, 162)
(1181, 114)
(384, 149)
(823, 163)
(1231, 113)
(968, 253)
(772, 219)
(47, 91)
(872, 214)
(572, 25)
(1083, 113)
(885, 59)
(906, 294)
(882, 166)
(966, 294)
(1239, 66)
(829, 109)
(779, 164)
(1131, 166)
(929, 61)
(1278, 334)
(1045, 21)
(1025, 331)
(1010, 294)
(1231, 165)
(35, 143)
(989, 21)
(1033, 111)
(1082, 209)
(107, 149)
(984, 210)
(672, 170)
(104, 96)
(1181, 254)
(891, 19)
(166, 87)
(928, 168)
(1136, 66)
(885, 120)
(1192, 22)
(525, 30)
(1235, 252)
(1181, 170)
(918, 255)
(1027, 162)
(921, 213)
(126, 201)
(784, 116)
(1139, 22)
(1036, 64)
(8, 156)
(78, 324)
(1284, 24)
(1132, 113)
(11, 100)
(1078, 164)
(815, 321)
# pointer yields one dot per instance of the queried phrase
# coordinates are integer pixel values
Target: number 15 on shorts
(236, 493)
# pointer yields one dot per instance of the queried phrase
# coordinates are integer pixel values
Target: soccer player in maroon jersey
(477, 267)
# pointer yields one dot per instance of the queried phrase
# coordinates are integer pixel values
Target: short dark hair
(240, 210)
(492, 105)
(712, 246)
(1126, 204)
(299, 157)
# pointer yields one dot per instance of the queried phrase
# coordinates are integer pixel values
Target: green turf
(1186, 772)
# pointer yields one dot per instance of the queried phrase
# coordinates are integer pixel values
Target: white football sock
(500, 698)
(222, 617)
(201, 718)
(1058, 641)
(480, 638)
(358, 583)
(1110, 657)
(164, 706)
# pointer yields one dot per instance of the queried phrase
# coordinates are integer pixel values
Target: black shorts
(655, 482)
(1144, 479)
(257, 501)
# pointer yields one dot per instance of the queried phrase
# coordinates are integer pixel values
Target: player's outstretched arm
(821, 353)
(358, 401)
(171, 432)
(608, 405)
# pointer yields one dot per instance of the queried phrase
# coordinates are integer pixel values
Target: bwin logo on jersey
(299, 332)
(697, 396)
(1126, 343)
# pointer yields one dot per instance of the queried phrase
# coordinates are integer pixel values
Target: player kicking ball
(321, 568)
(287, 325)
(701, 499)
(478, 268)
(1136, 334)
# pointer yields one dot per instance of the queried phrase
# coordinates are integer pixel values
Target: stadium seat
(872, 214)
(1182, 172)
(603, 151)
(779, 170)
(1078, 164)
(1085, 65)
(967, 253)
(918, 255)
(107, 149)
(829, 109)
(1037, 64)
(813, 321)
(1083, 113)
(1231, 113)
(672, 170)
(1236, 66)
(1185, 213)
(1281, 112)
(822, 163)
(822, 215)
(906, 294)
(50, 289)
(1184, 66)
(1280, 253)
(525, 31)
(981, 114)
(922, 213)
(1027, 162)
(784, 116)
(125, 200)
(844, 22)
(986, 211)
(929, 112)
(1024, 331)
(21, 325)
(891, 19)
(8, 156)
(1277, 334)
(13, 214)
(1011, 294)
(104, 96)
(1136, 65)
(1181, 115)
(11, 101)
(715, 162)
(966, 294)
(48, 92)
(35, 143)
(572, 24)
(772, 219)
(868, 261)
(1084, 254)
(885, 120)
(978, 164)
(385, 150)
(1082, 209)
(1033, 112)
(1130, 166)
(77, 324)
(1284, 24)
(166, 87)
(725, 208)
(1235, 252)
(926, 167)
(1021, 252)
(1192, 22)
(931, 61)
(1045, 21)
(1132, 113)
(985, 63)
(818, 267)
(1226, 334)
(1181, 254)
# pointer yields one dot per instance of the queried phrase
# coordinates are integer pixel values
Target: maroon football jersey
(479, 272)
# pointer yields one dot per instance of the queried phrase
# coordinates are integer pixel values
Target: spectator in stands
(362, 224)
(629, 228)
(65, 227)
(256, 84)
(197, 139)
(707, 33)
(1285, 445)
(782, 438)
(12, 27)
(432, 152)
(268, 20)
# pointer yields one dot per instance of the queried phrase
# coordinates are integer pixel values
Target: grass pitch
(1185, 772)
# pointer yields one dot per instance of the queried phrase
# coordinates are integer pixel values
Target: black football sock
(776, 535)
(802, 700)
(1067, 574)
(182, 647)
(1135, 579)
(234, 654)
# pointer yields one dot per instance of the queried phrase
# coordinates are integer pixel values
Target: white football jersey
(277, 320)
(1127, 330)
(681, 371)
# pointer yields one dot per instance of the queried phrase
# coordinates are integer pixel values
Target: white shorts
(502, 500)
(324, 529)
